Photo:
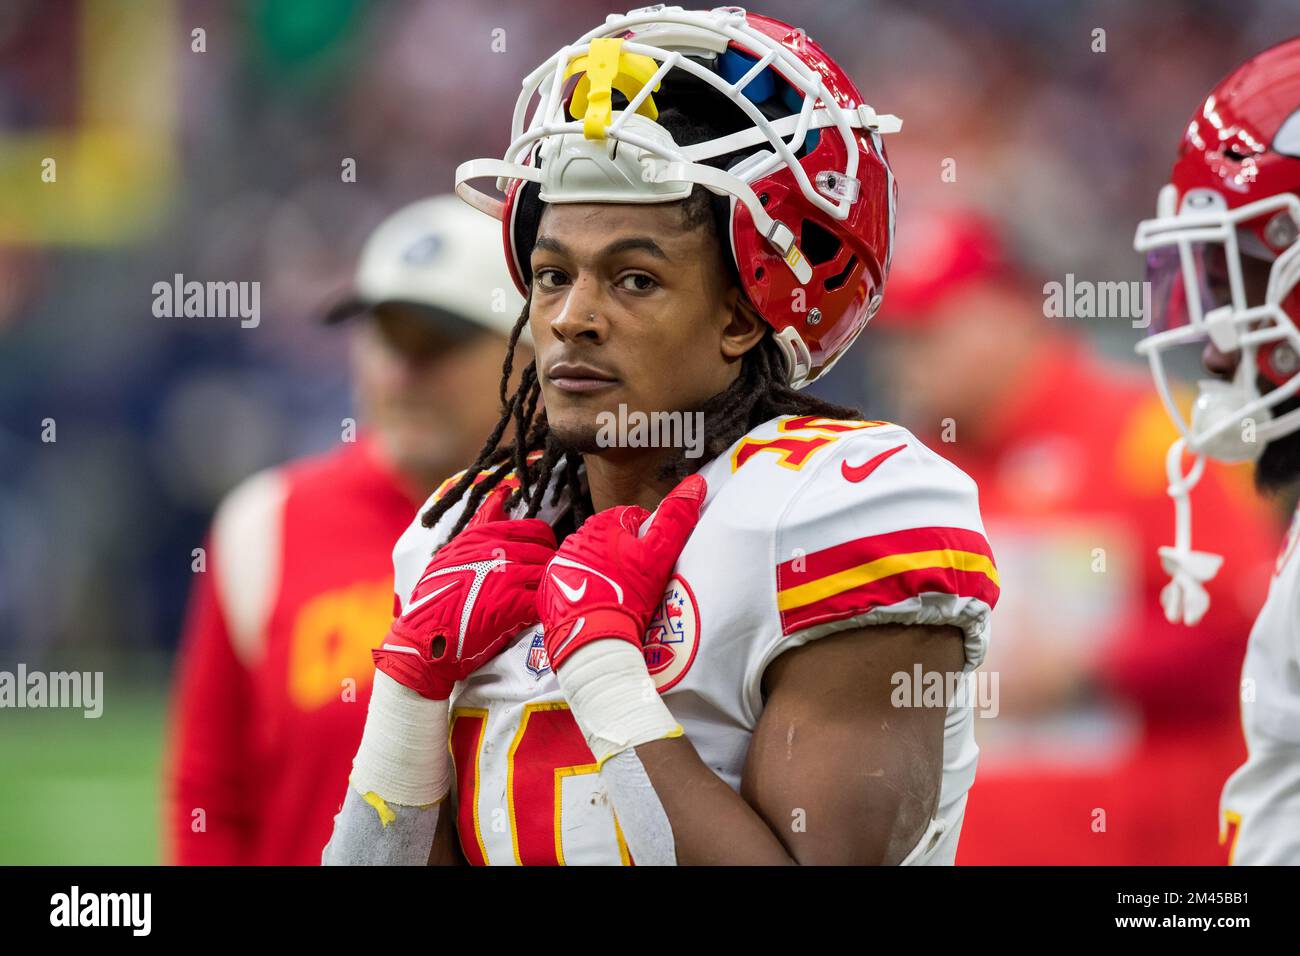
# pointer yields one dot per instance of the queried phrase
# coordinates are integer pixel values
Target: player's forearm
(671, 807)
(399, 777)
(367, 835)
(711, 823)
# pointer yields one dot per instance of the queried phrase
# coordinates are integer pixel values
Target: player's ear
(743, 327)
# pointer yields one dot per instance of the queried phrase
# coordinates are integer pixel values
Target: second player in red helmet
(1224, 263)
(1101, 705)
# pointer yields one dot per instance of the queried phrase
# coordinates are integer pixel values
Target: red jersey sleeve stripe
(887, 591)
(810, 567)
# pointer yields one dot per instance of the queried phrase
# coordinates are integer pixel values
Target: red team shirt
(272, 692)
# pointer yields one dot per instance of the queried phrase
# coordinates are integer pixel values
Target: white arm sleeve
(399, 776)
(640, 813)
(362, 836)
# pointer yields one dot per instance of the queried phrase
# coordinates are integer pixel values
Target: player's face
(429, 398)
(1279, 464)
(629, 307)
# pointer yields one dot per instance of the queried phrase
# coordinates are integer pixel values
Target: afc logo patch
(671, 640)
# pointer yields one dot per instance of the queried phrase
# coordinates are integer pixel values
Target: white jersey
(810, 526)
(1260, 807)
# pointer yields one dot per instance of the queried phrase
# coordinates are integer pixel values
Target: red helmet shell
(1229, 144)
(849, 257)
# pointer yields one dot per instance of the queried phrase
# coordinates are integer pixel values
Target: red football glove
(604, 581)
(477, 592)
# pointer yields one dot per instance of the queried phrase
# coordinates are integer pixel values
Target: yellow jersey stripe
(803, 594)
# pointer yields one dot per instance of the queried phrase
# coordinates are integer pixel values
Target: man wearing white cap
(275, 669)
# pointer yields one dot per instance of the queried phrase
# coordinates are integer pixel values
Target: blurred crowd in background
(229, 164)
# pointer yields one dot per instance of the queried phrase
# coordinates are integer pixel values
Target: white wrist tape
(403, 755)
(613, 698)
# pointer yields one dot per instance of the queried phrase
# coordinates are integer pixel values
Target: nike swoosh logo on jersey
(573, 594)
(857, 473)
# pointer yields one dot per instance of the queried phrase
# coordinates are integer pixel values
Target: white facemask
(1230, 421)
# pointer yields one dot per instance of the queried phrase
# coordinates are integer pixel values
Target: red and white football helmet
(1235, 191)
(812, 196)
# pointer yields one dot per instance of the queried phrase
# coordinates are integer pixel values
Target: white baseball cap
(442, 257)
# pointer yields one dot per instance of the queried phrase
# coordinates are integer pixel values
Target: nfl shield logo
(537, 662)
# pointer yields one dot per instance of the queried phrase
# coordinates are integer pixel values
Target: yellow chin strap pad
(606, 68)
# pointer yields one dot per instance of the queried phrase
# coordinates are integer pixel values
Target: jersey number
(795, 446)
(547, 749)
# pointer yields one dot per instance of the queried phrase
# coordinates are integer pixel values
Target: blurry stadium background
(226, 165)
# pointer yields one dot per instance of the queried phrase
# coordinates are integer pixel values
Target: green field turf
(81, 792)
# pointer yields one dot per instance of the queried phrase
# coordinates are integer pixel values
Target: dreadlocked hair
(759, 393)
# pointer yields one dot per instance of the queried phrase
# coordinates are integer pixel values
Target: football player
(644, 655)
(1224, 264)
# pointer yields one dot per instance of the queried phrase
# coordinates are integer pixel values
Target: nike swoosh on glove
(479, 591)
(606, 582)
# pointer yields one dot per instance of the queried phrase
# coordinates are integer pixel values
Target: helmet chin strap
(1184, 598)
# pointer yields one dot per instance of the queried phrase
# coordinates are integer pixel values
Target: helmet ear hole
(837, 280)
(818, 244)
(528, 217)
